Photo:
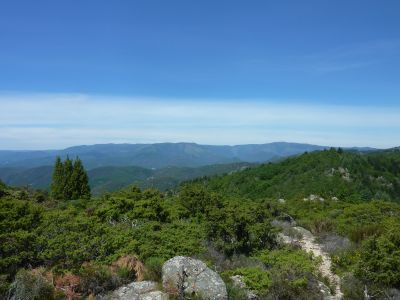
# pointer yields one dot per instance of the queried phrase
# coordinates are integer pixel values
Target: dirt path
(308, 244)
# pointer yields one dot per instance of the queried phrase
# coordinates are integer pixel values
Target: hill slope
(330, 173)
(112, 178)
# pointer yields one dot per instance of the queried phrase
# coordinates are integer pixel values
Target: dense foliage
(345, 175)
(70, 180)
(113, 178)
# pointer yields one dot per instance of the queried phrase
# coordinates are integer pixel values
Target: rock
(325, 291)
(142, 290)
(345, 173)
(191, 276)
(155, 295)
(284, 221)
(314, 198)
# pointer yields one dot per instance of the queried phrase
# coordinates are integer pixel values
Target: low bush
(286, 286)
(256, 279)
(361, 233)
(235, 292)
(292, 274)
(31, 285)
(352, 287)
(153, 270)
(332, 243)
(380, 259)
(96, 279)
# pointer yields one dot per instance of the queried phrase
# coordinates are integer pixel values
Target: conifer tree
(70, 180)
(80, 181)
(57, 185)
(67, 179)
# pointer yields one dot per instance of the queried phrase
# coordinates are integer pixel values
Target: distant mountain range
(163, 165)
(156, 155)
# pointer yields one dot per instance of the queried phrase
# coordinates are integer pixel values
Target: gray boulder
(185, 275)
(142, 290)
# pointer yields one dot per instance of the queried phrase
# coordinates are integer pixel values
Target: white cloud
(39, 121)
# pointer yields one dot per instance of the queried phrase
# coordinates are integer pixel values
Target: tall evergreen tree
(80, 181)
(68, 188)
(70, 180)
(57, 185)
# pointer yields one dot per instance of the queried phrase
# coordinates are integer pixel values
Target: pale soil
(308, 243)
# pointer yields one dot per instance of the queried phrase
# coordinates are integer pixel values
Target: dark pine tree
(80, 181)
(57, 185)
(68, 187)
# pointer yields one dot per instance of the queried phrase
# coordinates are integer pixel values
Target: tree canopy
(70, 180)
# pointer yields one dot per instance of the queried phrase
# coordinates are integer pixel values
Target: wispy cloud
(353, 56)
(40, 121)
(336, 59)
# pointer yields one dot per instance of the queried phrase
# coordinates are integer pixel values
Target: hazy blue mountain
(38, 177)
(112, 178)
(156, 155)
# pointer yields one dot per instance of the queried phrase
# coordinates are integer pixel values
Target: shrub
(332, 243)
(352, 288)
(240, 229)
(153, 269)
(292, 274)
(285, 286)
(235, 292)
(255, 279)
(96, 279)
(321, 226)
(361, 233)
(296, 261)
(31, 285)
(4, 286)
(345, 261)
(380, 259)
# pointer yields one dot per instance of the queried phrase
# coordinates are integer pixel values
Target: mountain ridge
(159, 155)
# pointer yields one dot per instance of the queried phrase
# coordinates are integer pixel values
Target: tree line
(70, 180)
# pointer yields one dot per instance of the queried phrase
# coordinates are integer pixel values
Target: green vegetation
(70, 180)
(114, 178)
(347, 176)
(224, 220)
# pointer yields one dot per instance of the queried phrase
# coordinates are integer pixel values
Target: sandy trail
(309, 244)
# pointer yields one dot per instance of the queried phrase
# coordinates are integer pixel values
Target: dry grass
(69, 284)
(130, 263)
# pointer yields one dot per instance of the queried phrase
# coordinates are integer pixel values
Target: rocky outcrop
(142, 290)
(314, 198)
(185, 275)
(343, 172)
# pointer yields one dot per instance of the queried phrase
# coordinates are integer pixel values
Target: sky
(211, 72)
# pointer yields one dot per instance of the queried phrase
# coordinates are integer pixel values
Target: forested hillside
(235, 223)
(113, 178)
(348, 176)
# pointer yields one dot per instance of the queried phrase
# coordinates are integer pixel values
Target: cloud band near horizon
(53, 121)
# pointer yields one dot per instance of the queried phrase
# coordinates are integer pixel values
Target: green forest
(68, 244)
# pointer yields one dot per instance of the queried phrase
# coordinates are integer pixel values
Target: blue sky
(216, 72)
